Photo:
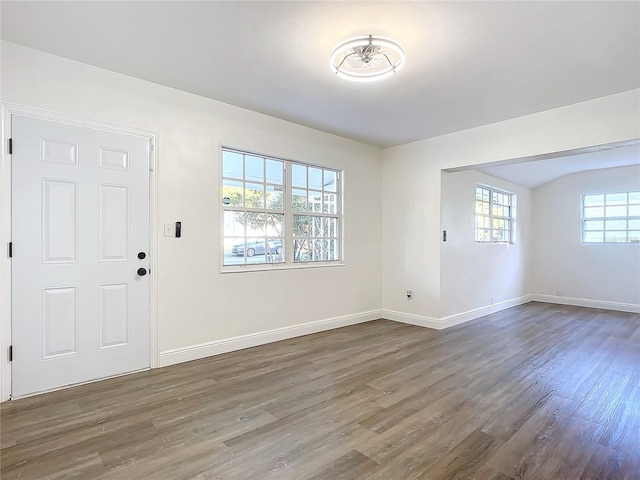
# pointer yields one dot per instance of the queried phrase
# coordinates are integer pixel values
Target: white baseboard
(451, 320)
(584, 302)
(195, 352)
(458, 318)
(411, 319)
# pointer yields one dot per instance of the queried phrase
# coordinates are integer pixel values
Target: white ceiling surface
(468, 63)
(532, 174)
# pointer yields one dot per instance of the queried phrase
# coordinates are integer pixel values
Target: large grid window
(494, 215)
(278, 211)
(611, 218)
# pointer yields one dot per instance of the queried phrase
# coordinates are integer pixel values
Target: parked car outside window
(257, 248)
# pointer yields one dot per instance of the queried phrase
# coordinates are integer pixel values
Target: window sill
(267, 267)
(588, 244)
(495, 243)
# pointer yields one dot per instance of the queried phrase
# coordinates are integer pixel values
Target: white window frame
(589, 222)
(491, 216)
(288, 234)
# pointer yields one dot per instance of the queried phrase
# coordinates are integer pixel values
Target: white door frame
(9, 109)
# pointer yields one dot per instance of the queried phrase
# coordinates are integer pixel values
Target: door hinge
(11, 146)
(11, 353)
(152, 158)
(10, 249)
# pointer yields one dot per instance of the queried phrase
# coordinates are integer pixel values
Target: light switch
(170, 229)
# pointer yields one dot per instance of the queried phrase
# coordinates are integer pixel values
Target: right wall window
(611, 218)
(495, 215)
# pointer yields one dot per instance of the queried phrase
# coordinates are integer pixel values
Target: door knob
(142, 272)
(141, 255)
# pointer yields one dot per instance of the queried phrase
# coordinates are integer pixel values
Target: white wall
(609, 273)
(196, 304)
(476, 275)
(411, 185)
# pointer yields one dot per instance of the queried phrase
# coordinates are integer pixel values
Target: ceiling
(533, 173)
(468, 63)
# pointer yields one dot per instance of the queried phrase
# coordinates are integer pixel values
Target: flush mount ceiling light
(367, 58)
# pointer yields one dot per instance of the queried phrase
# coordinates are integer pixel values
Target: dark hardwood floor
(535, 392)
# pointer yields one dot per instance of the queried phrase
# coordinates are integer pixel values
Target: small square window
(611, 218)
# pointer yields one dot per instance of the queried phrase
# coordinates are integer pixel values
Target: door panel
(59, 321)
(59, 221)
(113, 213)
(114, 315)
(80, 202)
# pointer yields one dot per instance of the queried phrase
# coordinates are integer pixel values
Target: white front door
(80, 233)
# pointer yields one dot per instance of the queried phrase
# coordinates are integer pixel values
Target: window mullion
(339, 243)
(491, 216)
(288, 214)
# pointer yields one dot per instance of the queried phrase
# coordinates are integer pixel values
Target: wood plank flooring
(539, 391)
